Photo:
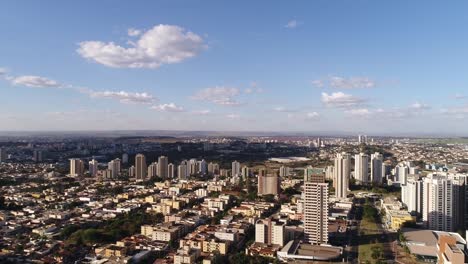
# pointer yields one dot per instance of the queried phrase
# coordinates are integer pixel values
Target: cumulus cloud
(361, 112)
(338, 82)
(3, 71)
(233, 116)
(292, 24)
(419, 106)
(171, 107)
(283, 109)
(218, 95)
(163, 44)
(312, 115)
(35, 81)
(132, 32)
(342, 100)
(201, 112)
(318, 83)
(124, 97)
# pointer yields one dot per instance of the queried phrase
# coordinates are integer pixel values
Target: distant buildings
(3, 155)
(342, 173)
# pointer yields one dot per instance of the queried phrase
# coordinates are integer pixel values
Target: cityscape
(214, 132)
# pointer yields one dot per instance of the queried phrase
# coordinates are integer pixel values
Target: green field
(369, 244)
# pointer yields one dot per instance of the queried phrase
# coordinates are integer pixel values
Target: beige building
(268, 184)
(316, 211)
(140, 167)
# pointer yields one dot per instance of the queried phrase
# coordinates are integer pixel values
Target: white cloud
(361, 112)
(171, 107)
(132, 32)
(338, 82)
(341, 100)
(283, 109)
(35, 81)
(312, 115)
(163, 44)
(124, 97)
(233, 116)
(419, 106)
(218, 95)
(292, 24)
(201, 112)
(460, 96)
(3, 71)
(318, 83)
(351, 83)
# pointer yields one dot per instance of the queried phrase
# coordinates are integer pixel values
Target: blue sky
(345, 66)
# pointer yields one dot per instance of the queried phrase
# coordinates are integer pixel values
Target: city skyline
(358, 67)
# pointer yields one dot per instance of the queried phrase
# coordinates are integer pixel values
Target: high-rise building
(268, 184)
(192, 166)
(245, 172)
(131, 171)
(162, 167)
(235, 168)
(310, 173)
(203, 165)
(361, 168)
(153, 170)
(412, 194)
(93, 167)
(438, 203)
(37, 155)
(376, 168)
(76, 167)
(114, 167)
(170, 171)
(316, 211)
(270, 231)
(284, 171)
(140, 167)
(182, 171)
(213, 168)
(329, 173)
(125, 158)
(401, 173)
(342, 174)
(3, 155)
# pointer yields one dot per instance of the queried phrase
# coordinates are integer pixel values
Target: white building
(235, 168)
(270, 231)
(361, 168)
(438, 203)
(93, 167)
(342, 174)
(376, 175)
